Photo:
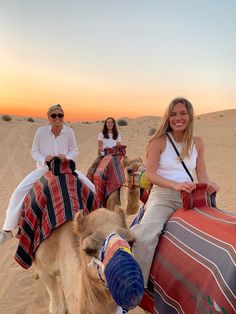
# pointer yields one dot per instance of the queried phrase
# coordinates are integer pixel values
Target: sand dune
(19, 292)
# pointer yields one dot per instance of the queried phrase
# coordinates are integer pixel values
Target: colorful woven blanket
(53, 200)
(116, 150)
(194, 268)
(108, 177)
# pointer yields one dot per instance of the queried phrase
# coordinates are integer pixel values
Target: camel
(62, 260)
(115, 173)
(133, 170)
(61, 249)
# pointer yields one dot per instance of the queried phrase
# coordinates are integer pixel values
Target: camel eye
(91, 251)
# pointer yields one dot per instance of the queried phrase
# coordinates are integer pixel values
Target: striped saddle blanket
(115, 150)
(194, 267)
(53, 200)
(108, 177)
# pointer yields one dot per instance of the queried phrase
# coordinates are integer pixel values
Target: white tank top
(171, 168)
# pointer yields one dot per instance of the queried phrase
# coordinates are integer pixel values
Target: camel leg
(57, 301)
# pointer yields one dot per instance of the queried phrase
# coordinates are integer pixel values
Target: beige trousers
(160, 206)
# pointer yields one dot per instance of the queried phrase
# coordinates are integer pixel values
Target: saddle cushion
(53, 200)
(194, 267)
(108, 177)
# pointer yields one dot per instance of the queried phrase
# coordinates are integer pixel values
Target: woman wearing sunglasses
(55, 139)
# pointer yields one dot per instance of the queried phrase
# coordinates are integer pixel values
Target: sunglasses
(59, 115)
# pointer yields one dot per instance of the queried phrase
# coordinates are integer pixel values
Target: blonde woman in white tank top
(166, 173)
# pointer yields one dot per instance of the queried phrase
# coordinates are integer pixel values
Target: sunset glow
(97, 59)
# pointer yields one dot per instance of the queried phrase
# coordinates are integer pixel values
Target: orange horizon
(74, 115)
(71, 115)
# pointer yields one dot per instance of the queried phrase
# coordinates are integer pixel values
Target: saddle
(53, 200)
(193, 270)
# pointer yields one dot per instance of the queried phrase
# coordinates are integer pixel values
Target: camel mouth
(119, 272)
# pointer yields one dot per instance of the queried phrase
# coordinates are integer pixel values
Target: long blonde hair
(165, 126)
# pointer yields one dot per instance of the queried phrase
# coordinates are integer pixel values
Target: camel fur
(62, 262)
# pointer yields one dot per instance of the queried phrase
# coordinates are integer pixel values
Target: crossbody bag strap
(177, 152)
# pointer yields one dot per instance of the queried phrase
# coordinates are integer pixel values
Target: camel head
(105, 241)
(136, 173)
(92, 229)
(131, 165)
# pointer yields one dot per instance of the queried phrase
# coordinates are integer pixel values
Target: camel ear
(120, 211)
(79, 221)
(127, 234)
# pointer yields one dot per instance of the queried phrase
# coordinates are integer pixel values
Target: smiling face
(56, 117)
(179, 118)
(109, 124)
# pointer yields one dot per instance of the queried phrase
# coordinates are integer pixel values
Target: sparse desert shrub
(30, 119)
(151, 131)
(6, 117)
(122, 122)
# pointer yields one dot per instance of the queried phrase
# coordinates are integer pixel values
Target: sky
(120, 58)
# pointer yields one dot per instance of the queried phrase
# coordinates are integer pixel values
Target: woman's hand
(48, 158)
(62, 157)
(212, 187)
(185, 186)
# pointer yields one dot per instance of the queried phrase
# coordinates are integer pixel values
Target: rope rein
(135, 177)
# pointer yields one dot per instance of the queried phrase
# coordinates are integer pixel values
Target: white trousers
(17, 198)
(161, 204)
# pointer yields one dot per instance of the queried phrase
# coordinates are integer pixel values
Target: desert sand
(19, 292)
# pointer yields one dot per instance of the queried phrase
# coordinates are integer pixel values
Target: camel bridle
(135, 176)
(106, 253)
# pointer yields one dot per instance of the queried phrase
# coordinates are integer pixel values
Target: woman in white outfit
(55, 139)
(109, 137)
(169, 178)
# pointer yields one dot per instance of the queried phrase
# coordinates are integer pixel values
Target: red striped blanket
(108, 177)
(194, 267)
(53, 200)
(116, 150)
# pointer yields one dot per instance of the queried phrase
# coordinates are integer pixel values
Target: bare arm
(100, 147)
(201, 170)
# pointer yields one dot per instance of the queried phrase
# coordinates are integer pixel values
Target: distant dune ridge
(19, 292)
